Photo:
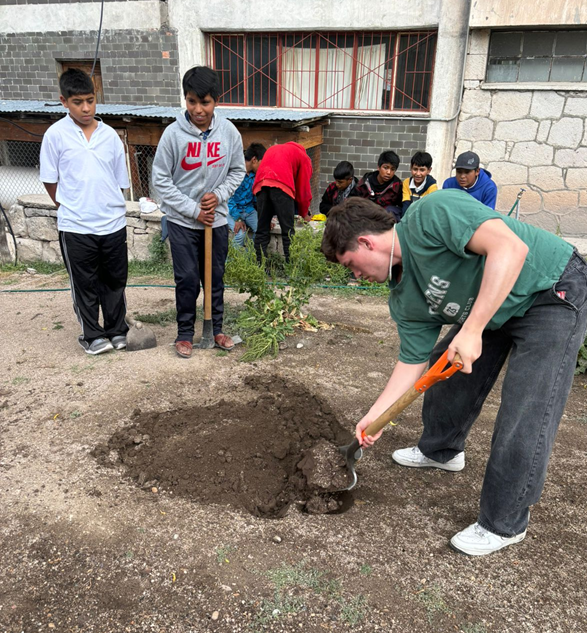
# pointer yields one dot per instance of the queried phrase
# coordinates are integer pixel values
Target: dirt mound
(271, 445)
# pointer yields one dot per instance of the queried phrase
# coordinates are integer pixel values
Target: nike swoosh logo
(189, 166)
(215, 160)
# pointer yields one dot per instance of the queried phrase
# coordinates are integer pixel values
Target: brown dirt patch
(278, 446)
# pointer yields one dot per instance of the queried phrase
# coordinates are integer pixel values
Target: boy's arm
(303, 187)
(119, 164)
(490, 196)
(51, 188)
(406, 195)
(49, 166)
(236, 171)
(325, 204)
(163, 181)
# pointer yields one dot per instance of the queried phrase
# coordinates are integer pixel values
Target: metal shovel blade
(207, 340)
(352, 453)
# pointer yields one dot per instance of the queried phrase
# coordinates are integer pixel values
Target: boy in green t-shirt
(510, 290)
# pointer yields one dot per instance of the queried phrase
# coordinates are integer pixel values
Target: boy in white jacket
(198, 166)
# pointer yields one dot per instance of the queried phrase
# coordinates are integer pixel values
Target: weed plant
(272, 311)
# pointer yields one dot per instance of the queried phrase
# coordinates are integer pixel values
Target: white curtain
(298, 75)
(336, 74)
(298, 78)
(370, 77)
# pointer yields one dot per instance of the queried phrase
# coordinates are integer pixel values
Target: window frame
(420, 73)
(518, 59)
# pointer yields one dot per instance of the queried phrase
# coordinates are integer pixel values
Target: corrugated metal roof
(164, 112)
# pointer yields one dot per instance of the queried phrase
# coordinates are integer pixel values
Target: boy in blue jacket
(473, 180)
(198, 165)
(242, 206)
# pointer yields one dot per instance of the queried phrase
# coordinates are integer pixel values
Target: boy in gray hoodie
(198, 166)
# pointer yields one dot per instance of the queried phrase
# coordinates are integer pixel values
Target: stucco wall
(503, 13)
(530, 138)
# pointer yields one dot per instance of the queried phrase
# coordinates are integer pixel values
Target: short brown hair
(349, 220)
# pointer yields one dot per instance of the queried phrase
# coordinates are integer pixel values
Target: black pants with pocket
(273, 201)
(98, 271)
(187, 251)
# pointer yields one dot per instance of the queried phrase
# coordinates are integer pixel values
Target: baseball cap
(467, 160)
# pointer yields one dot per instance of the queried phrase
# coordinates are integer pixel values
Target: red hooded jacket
(288, 168)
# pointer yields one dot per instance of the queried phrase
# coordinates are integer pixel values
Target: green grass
(223, 553)
(42, 268)
(294, 586)
(20, 380)
(433, 601)
(473, 628)
(164, 317)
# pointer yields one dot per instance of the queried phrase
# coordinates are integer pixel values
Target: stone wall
(360, 140)
(34, 222)
(533, 137)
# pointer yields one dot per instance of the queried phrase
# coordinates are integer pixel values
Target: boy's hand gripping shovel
(353, 452)
(207, 340)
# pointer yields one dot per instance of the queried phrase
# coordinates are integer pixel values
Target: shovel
(353, 452)
(207, 340)
(139, 336)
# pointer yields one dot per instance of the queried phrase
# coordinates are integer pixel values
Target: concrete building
(504, 78)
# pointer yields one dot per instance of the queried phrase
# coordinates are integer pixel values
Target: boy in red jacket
(282, 180)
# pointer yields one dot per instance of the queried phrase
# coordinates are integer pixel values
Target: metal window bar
(409, 83)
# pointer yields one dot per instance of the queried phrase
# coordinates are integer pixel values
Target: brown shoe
(224, 342)
(183, 349)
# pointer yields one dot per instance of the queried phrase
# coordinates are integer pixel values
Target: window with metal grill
(537, 56)
(332, 71)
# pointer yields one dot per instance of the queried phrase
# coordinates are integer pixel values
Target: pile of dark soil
(271, 445)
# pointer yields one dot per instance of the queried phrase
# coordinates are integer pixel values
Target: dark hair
(201, 81)
(75, 82)
(255, 150)
(421, 159)
(344, 170)
(348, 221)
(389, 157)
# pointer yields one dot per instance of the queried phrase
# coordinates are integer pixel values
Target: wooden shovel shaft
(389, 414)
(434, 374)
(208, 273)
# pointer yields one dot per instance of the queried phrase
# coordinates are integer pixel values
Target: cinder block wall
(138, 67)
(360, 140)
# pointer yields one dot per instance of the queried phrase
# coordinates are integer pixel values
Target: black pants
(273, 201)
(98, 270)
(187, 251)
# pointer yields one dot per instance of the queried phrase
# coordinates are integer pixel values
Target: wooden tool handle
(207, 273)
(434, 374)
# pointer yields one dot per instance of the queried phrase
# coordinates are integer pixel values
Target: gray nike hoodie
(186, 166)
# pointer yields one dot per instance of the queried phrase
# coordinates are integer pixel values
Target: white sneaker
(414, 458)
(477, 541)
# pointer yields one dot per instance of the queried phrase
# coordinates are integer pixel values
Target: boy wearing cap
(473, 180)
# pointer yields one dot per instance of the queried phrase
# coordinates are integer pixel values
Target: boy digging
(198, 165)
(83, 168)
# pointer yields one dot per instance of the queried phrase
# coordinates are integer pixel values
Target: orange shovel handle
(439, 372)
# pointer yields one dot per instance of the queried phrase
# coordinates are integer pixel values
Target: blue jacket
(484, 190)
(243, 200)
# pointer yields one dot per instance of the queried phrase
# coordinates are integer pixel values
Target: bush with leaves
(582, 359)
(272, 311)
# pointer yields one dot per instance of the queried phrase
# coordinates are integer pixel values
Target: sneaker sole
(97, 352)
(448, 467)
(120, 346)
(473, 552)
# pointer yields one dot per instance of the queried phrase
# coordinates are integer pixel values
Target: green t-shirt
(441, 279)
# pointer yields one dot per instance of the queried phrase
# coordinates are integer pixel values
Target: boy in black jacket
(342, 187)
(383, 187)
